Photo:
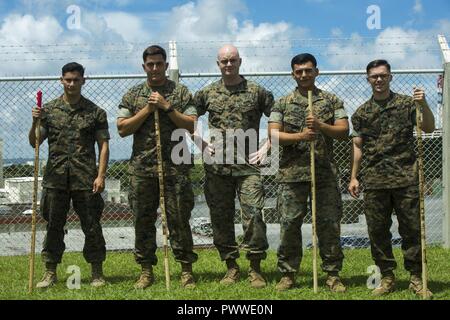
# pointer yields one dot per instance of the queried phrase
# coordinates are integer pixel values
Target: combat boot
(416, 286)
(335, 284)
(232, 275)
(146, 278)
(386, 286)
(187, 276)
(97, 275)
(287, 282)
(254, 275)
(49, 278)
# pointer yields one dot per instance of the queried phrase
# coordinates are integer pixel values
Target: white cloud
(18, 31)
(26, 29)
(129, 26)
(202, 27)
(336, 32)
(404, 48)
(29, 44)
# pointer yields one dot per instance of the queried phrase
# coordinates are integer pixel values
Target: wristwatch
(169, 110)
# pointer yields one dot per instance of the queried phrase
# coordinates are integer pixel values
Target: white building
(112, 190)
(20, 190)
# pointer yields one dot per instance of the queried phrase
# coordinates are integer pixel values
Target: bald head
(227, 51)
(229, 62)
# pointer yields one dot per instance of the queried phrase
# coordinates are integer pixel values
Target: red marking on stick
(39, 99)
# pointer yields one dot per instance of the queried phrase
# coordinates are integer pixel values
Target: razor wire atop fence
(411, 51)
(16, 156)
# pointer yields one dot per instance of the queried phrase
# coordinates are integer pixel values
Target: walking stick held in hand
(35, 193)
(162, 199)
(421, 201)
(313, 200)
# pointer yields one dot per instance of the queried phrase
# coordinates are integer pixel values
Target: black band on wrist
(169, 110)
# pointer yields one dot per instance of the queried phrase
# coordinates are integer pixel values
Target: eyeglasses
(383, 77)
(230, 61)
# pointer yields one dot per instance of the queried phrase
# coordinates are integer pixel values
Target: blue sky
(320, 16)
(265, 29)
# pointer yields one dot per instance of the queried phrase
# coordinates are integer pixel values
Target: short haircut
(377, 63)
(73, 67)
(153, 51)
(303, 58)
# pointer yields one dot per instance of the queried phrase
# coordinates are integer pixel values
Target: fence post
(446, 142)
(2, 181)
(174, 72)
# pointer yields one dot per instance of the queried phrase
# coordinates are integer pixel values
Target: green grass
(121, 272)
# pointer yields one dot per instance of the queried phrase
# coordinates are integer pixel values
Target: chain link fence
(16, 162)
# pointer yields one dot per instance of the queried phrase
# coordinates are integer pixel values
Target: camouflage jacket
(388, 142)
(144, 158)
(72, 131)
(291, 111)
(233, 108)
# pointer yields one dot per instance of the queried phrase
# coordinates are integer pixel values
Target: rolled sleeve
(43, 132)
(355, 134)
(340, 114)
(186, 100)
(356, 123)
(126, 109)
(200, 103)
(190, 111)
(266, 101)
(276, 116)
(124, 113)
(101, 127)
(102, 135)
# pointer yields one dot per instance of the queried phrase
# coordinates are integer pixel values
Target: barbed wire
(256, 55)
(289, 40)
(180, 49)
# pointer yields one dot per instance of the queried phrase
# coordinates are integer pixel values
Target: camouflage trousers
(179, 201)
(292, 207)
(220, 193)
(55, 205)
(379, 205)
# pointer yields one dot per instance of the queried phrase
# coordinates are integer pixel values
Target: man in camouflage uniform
(291, 121)
(234, 103)
(72, 125)
(136, 116)
(383, 131)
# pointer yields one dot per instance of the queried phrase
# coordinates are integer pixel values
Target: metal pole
(174, 71)
(446, 143)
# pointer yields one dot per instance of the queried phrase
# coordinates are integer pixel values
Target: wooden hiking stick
(162, 202)
(421, 201)
(35, 193)
(313, 199)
